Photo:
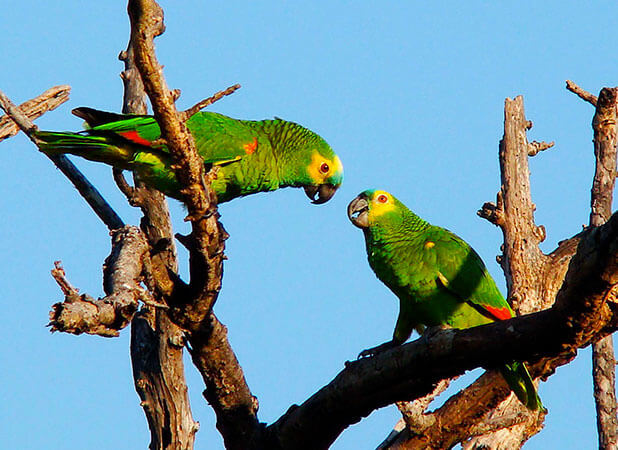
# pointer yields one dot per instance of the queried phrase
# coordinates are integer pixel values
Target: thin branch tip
(492, 213)
(209, 101)
(536, 147)
(581, 93)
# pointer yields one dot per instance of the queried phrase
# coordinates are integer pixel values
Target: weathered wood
(122, 275)
(36, 107)
(156, 343)
(603, 362)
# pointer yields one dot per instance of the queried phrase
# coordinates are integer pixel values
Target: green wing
(462, 272)
(146, 127)
(219, 139)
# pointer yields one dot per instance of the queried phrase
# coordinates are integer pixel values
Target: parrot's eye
(382, 198)
(324, 168)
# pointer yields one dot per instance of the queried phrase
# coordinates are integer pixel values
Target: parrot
(252, 156)
(439, 279)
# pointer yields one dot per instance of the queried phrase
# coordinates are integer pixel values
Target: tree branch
(121, 282)
(506, 427)
(603, 362)
(158, 372)
(186, 114)
(208, 236)
(83, 186)
(47, 101)
(414, 419)
(522, 261)
(604, 126)
(581, 93)
(527, 269)
(228, 392)
(156, 343)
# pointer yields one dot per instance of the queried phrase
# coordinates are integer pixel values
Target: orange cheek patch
(251, 146)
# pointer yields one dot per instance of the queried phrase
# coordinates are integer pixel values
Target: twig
(209, 101)
(122, 273)
(83, 186)
(132, 194)
(493, 212)
(584, 95)
(535, 147)
(71, 293)
(47, 101)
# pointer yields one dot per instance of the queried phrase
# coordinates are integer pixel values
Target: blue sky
(409, 94)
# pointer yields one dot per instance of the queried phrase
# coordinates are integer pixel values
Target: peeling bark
(158, 371)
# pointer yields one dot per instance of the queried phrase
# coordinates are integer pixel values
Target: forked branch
(122, 271)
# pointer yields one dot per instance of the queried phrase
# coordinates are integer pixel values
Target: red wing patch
(498, 313)
(251, 146)
(134, 136)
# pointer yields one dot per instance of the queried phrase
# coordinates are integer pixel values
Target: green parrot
(253, 156)
(438, 278)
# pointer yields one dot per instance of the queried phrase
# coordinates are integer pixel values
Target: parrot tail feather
(93, 148)
(519, 380)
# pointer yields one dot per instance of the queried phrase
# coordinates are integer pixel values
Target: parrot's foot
(430, 332)
(375, 350)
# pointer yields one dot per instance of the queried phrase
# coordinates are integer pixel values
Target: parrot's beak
(324, 192)
(358, 211)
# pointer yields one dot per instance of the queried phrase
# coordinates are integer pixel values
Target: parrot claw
(430, 332)
(368, 353)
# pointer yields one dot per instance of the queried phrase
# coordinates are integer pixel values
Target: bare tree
(567, 298)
